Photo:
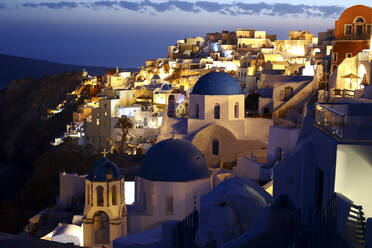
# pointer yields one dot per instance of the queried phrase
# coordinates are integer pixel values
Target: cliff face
(25, 136)
(22, 105)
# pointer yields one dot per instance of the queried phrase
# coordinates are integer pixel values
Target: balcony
(330, 120)
(347, 121)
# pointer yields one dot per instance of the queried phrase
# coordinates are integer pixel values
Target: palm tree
(125, 125)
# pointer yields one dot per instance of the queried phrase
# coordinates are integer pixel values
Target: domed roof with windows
(173, 160)
(104, 170)
(217, 83)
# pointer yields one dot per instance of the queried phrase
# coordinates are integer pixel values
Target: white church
(217, 125)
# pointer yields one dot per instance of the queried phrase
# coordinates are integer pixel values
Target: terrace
(345, 120)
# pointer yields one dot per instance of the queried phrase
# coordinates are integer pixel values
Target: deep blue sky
(125, 33)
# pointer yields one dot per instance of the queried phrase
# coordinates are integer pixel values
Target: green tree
(125, 125)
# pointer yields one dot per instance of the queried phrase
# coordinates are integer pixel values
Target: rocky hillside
(23, 104)
(25, 136)
(12, 68)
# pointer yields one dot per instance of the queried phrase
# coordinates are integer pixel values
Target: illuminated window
(215, 147)
(236, 110)
(97, 122)
(348, 29)
(217, 111)
(105, 113)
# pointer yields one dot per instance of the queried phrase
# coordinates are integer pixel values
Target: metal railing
(343, 93)
(330, 120)
(355, 220)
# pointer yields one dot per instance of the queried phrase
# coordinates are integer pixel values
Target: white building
(172, 177)
(217, 123)
(229, 210)
(329, 171)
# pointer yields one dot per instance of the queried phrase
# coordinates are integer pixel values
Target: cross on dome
(104, 153)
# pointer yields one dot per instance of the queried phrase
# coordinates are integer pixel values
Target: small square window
(348, 55)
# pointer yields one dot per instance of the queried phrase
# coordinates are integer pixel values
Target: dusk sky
(126, 33)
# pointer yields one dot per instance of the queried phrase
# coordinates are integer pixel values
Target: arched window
(216, 111)
(359, 19)
(121, 192)
(197, 111)
(215, 147)
(99, 191)
(114, 194)
(236, 110)
(359, 23)
(88, 194)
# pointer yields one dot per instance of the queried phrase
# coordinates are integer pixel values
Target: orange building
(352, 33)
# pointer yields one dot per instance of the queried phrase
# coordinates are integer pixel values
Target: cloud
(233, 9)
(52, 5)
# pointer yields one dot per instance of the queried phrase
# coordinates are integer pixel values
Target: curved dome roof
(156, 77)
(217, 83)
(104, 170)
(166, 87)
(173, 160)
(243, 195)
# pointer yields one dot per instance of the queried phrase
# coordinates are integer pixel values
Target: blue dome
(104, 170)
(173, 160)
(217, 83)
(166, 87)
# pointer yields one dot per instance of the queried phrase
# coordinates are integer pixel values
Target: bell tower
(105, 214)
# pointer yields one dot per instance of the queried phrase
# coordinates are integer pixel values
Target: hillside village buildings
(247, 141)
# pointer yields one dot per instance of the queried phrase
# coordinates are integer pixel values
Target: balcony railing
(330, 120)
(352, 126)
(343, 93)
